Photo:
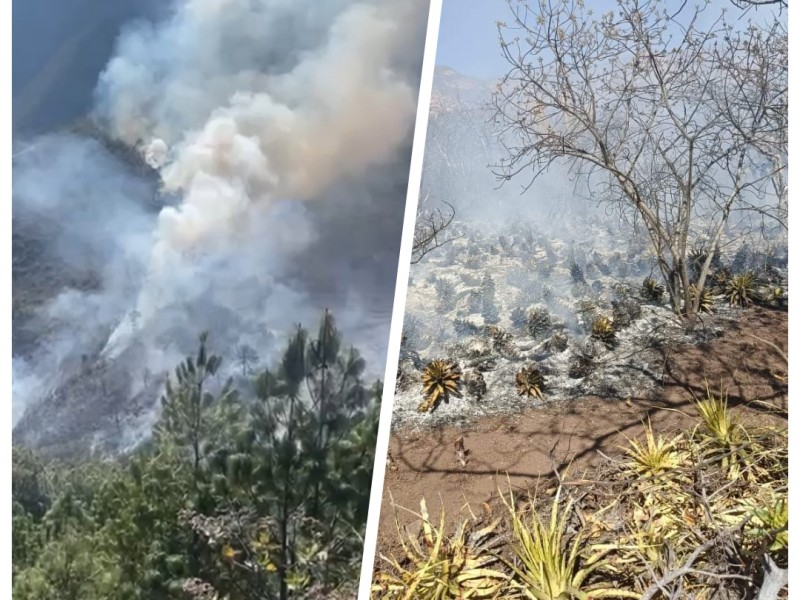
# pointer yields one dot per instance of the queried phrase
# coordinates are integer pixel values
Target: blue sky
(468, 39)
(468, 36)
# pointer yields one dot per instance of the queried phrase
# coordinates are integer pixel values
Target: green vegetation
(240, 494)
(701, 514)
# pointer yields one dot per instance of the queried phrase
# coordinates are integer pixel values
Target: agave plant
(580, 367)
(539, 322)
(765, 518)
(724, 434)
(439, 567)
(476, 384)
(721, 277)
(446, 294)
(771, 522)
(576, 273)
(558, 342)
(549, 565)
(625, 311)
(740, 289)
(717, 419)
(603, 330)
(774, 296)
(530, 382)
(440, 379)
(706, 303)
(652, 290)
(655, 456)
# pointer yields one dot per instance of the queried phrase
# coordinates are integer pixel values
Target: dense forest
(239, 493)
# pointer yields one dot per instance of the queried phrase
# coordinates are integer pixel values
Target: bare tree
(430, 230)
(746, 4)
(671, 121)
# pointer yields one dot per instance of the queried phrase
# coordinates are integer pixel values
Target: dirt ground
(533, 443)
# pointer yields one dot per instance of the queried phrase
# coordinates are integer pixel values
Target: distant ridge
(452, 88)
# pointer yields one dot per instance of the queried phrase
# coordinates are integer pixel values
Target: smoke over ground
(527, 274)
(278, 136)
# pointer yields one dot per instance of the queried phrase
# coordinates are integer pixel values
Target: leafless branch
(430, 231)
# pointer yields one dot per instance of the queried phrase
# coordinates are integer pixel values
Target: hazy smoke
(249, 136)
(244, 108)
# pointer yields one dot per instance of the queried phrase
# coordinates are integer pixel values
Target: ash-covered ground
(503, 297)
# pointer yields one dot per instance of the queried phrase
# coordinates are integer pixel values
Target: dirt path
(533, 443)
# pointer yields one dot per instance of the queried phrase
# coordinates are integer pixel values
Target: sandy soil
(532, 443)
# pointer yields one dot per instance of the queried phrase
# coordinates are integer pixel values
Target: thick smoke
(272, 125)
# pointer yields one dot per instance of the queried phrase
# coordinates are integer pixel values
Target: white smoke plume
(280, 134)
(230, 138)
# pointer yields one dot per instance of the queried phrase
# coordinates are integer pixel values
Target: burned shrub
(475, 384)
(580, 366)
(652, 291)
(558, 342)
(464, 327)
(603, 330)
(530, 382)
(625, 311)
(576, 273)
(446, 294)
(539, 322)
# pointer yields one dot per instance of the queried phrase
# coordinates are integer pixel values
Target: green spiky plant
(655, 455)
(741, 289)
(440, 379)
(652, 290)
(772, 522)
(549, 565)
(530, 382)
(706, 304)
(603, 329)
(440, 567)
(723, 434)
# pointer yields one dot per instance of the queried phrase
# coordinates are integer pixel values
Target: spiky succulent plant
(440, 379)
(576, 273)
(475, 384)
(706, 304)
(580, 367)
(652, 290)
(775, 296)
(437, 566)
(446, 294)
(530, 382)
(539, 322)
(603, 329)
(741, 289)
(625, 311)
(558, 342)
(465, 327)
(721, 277)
